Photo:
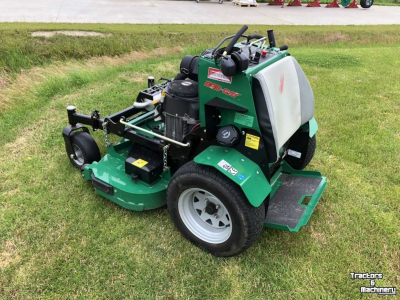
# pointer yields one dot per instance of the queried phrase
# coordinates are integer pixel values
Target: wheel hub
(211, 208)
(77, 156)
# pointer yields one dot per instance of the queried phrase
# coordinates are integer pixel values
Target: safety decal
(228, 167)
(252, 141)
(294, 153)
(140, 163)
(232, 171)
(243, 119)
(216, 74)
(224, 165)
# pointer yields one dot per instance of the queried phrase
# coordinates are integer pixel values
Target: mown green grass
(60, 240)
(19, 50)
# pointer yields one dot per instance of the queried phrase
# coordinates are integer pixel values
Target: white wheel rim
(214, 228)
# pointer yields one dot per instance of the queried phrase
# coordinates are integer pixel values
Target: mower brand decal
(294, 153)
(252, 141)
(216, 74)
(282, 83)
(224, 165)
(244, 119)
(140, 163)
(218, 88)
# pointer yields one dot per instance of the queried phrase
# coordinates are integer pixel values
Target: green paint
(312, 127)
(241, 84)
(249, 175)
(142, 117)
(276, 182)
(135, 196)
(345, 3)
(244, 119)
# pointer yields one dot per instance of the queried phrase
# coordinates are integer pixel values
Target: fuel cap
(228, 136)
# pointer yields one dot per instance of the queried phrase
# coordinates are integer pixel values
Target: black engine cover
(182, 99)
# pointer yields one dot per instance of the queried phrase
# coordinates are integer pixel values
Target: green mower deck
(114, 184)
(294, 193)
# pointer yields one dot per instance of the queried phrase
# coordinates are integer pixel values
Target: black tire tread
(254, 215)
(312, 145)
(88, 146)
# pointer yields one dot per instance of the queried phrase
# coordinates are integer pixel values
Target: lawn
(59, 240)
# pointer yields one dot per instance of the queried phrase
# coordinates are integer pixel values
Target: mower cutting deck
(223, 144)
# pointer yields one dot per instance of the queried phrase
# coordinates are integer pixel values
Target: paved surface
(153, 11)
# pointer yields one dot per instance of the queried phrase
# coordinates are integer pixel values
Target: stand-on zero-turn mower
(223, 144)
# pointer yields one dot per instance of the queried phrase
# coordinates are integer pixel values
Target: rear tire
(227, 231)
(303, 146)
(85, 150)
(312, 145)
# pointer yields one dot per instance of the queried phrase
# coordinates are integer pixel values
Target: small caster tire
(85, 150)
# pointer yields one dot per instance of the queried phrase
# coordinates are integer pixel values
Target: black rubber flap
(183, 88)
(284, 207)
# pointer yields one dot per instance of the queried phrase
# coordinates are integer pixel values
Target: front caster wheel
(85, 150)
(212, 211)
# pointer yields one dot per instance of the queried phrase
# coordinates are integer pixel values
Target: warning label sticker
(232, 171)
(216, 74)
(224, 165)
(228, 167)
(140, 163)
(252, 141)
(244, 119)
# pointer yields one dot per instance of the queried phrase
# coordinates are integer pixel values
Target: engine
(181, 102)
(181, 108)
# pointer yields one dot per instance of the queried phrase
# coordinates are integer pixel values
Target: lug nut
(216, 216)
(206, 200)
(72, 156)
(217, 206)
